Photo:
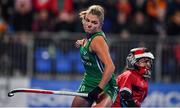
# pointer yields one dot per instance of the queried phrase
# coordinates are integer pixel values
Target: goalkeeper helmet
(140, 59)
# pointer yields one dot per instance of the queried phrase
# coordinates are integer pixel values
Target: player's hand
(94, 94)
(137, 102)
(79, 43)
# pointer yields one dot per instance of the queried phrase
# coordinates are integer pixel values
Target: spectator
(43, 22)
(138, 5)
(7, 7)
(124, 6)
(173, 6)
(80, 5)
(140, 25)
(156, 9)
(173, 27)
(22, 19)
(111, 15)
(121, 23)
(3, 24)
(65, 22)
(124, 9)
(49, 5)
(68, 6)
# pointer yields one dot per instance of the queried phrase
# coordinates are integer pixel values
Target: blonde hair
(94, 10)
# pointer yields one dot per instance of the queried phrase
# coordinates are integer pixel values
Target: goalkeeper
(133, 82)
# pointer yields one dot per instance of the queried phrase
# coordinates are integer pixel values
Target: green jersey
(94, 69)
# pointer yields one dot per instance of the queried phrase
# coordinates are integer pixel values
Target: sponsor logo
(160, 99)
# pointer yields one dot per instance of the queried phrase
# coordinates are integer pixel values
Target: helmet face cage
(135, 55)
(130, 61)
(144, 60)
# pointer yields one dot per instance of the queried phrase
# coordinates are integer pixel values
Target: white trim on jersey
(126, 89)
(99, 64)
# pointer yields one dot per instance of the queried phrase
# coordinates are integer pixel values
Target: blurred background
(37, 46)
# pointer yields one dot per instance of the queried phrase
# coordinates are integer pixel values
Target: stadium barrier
(53, 55)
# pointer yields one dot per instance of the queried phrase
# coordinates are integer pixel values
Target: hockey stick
(41, 91)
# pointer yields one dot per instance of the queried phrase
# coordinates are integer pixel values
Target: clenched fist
(79, 43)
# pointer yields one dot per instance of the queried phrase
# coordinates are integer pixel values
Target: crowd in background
(124, 17)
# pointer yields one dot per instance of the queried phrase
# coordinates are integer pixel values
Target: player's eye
(87, 20)
(94, 22)
(148, 63)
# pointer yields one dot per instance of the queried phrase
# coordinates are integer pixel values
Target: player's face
(91, 23)
(145, 62)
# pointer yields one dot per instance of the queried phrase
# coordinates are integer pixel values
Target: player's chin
(88, 31)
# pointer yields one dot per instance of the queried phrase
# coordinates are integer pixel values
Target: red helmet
(135, 55)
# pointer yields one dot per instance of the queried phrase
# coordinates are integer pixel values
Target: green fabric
(94, 69)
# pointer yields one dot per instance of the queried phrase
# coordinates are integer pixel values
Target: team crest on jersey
(85, 52)
(89, 39)
(86, 57)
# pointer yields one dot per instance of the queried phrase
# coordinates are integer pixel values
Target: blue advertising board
(163, 95)
(159, 95)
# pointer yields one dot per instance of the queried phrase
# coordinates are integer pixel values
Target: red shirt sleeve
(125, 81)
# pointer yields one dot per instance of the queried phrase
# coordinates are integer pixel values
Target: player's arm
(125, 85)
(99, 46)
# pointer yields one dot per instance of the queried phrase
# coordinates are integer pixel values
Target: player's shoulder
(98, 38)
(126, 73)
